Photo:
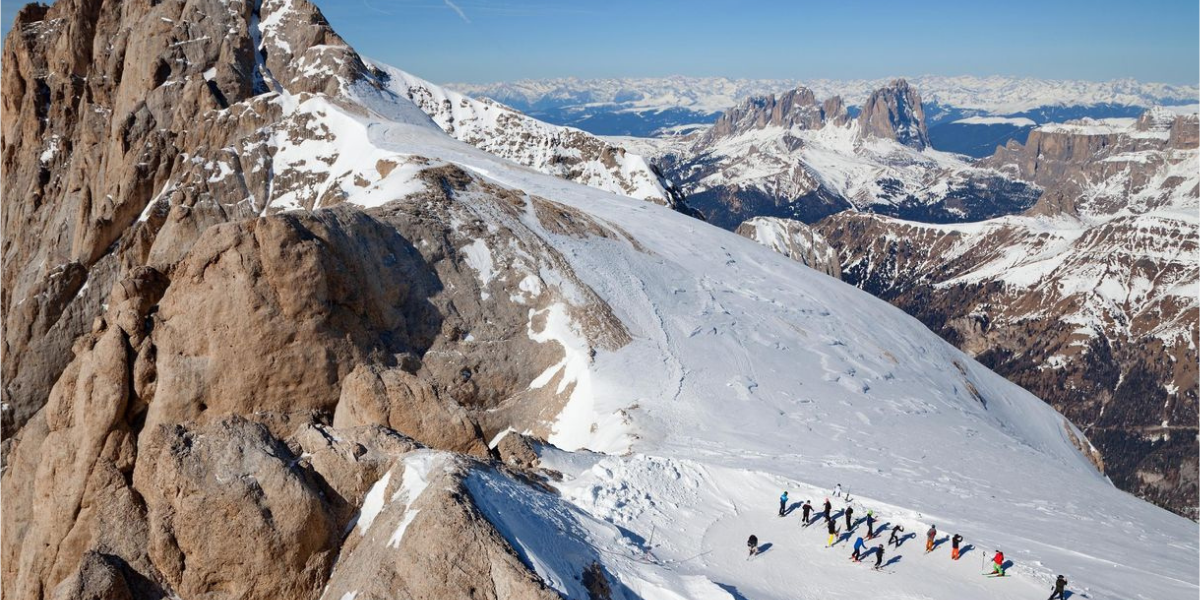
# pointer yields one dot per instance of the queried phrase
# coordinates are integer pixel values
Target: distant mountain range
(653, 106)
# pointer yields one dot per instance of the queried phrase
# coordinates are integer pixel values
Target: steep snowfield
(749, 374)
(561, 151)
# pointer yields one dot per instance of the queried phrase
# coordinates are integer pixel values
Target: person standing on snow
(782, 503)
(879, 557)
(849, 517)
(870, 524)
(1060, 586)
(930, 536)
(998, 564)
(752, 543)
(954, 542)
(828, 507)
(894, 539)
(837, 491)
(806, 511)
(858, 546)
(832, 532)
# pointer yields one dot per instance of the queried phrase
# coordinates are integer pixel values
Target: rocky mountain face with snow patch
(1089, 299)
(794, 240)
(791, 156)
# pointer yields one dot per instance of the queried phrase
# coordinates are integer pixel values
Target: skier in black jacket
(954, 542)
(849, 517)
(806, 511)
(828, 507)
(1060, 586)
(879, 556)
(752, 543)
(870, 524)
(894, 539)
(832, 531)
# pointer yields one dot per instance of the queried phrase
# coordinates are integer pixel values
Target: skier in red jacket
(998, 564)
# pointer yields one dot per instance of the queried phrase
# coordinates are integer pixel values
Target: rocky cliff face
(1088, 301)
(894, 112)
(178, 346)
(793, 157)
(794, 240)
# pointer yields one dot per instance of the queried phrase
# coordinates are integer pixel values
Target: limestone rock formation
(895, 112)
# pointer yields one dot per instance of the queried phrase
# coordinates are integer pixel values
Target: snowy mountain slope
(1090, 299)
(830, 385)
(162, 461)
(561, 151)
(792, 156)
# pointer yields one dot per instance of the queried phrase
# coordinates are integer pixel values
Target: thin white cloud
(454, 7)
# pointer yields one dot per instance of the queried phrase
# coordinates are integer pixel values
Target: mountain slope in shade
(253, 406)
(1090, 300)
(794, 157)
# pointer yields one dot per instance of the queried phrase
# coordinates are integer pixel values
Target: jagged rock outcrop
(1088, 300)
(895, 112)
(794, 240)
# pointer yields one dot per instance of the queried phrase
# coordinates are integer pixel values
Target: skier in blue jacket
(783, 503)
(859, 544)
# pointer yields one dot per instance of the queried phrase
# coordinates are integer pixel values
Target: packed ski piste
(747, 375)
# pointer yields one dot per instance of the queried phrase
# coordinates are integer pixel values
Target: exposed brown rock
(895, 112)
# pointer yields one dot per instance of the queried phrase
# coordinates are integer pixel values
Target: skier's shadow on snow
(965, 549)
(789, 509)
(904, 538)
(893, 560)
(762, 549)
(938, 542)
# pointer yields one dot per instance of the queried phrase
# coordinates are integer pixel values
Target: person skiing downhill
(870, 524)
(879, 557)
(1060, 586)
(782, 503)
(894, 539)
(858, 546)
(806, 511)
(998, 564)
(828, 507)
(832, 532)
(929, 537)
(954, 542)
(752, 543)
(849, 517)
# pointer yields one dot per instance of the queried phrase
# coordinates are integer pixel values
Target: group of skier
(895, 539)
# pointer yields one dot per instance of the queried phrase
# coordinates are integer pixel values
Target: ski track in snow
(754, 374)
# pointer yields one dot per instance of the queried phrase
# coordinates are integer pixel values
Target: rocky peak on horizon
(895, 112)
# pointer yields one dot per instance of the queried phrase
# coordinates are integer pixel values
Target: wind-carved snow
(573, 428)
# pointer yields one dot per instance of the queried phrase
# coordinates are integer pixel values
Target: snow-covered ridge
(562, 151)
(991, 95)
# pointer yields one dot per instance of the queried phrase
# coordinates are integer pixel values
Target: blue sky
(492, 40)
